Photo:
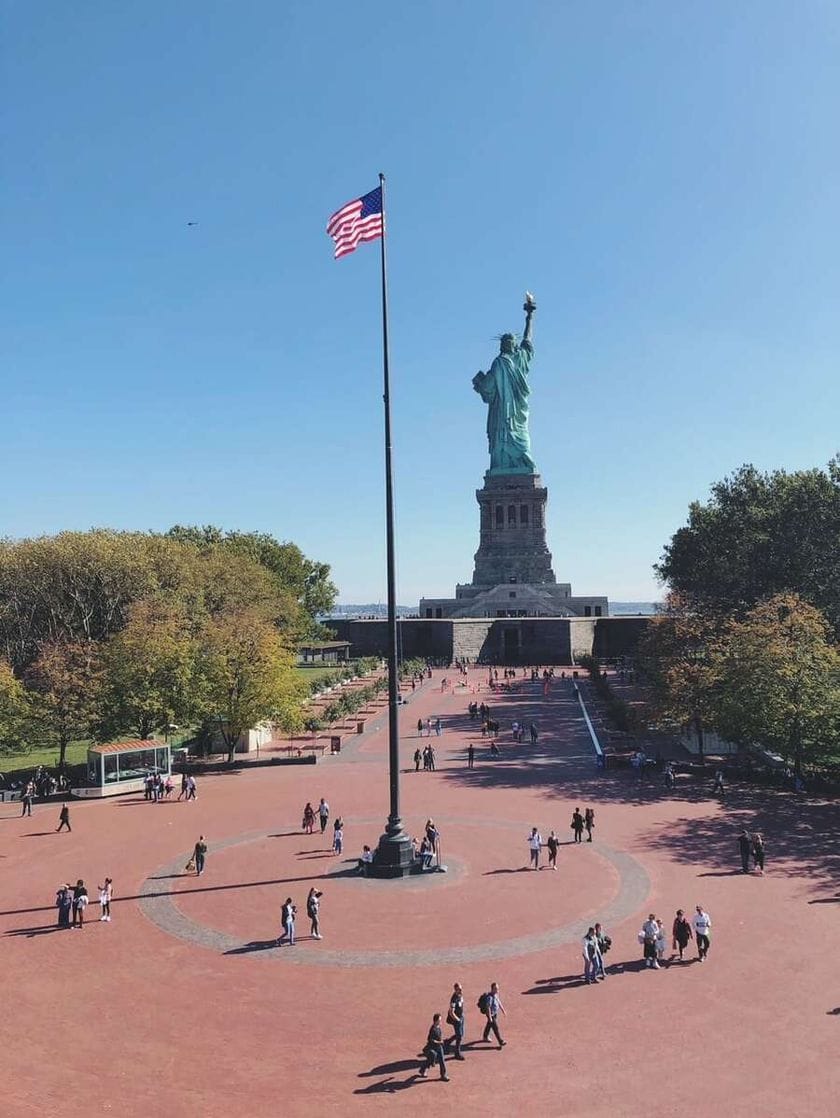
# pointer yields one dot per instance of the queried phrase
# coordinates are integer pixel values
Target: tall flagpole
(393, 854)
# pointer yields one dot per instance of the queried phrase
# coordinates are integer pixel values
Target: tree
(247, 675)
(781, 681)
(306, 581)
(149, 673)
(759, 535)
(14, 709)
(678, 660)
(64, 682)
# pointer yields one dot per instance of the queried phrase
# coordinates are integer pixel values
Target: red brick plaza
(184, 1005)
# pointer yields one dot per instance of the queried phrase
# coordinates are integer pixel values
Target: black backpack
(483, 1003)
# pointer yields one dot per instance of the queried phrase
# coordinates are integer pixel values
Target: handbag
(451, 1019)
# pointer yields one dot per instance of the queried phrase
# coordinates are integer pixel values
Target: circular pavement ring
(161, 909)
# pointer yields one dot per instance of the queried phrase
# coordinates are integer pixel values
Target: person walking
(433, 1050)
(718, 786)
(431, 759)
(702, 932)
(419, 727)
(26, 799)
(313, 910)
(191, 788)
(591, 954)
(552, 845)
(199, 855)
(758, 852)
(418, 757)
(64, 904)
(589, 823)
(80, 903)
(493, 1007)
(745, 847)
(661, 942)
(681, 932)
(106, 892)
(471, 756)
(438, 727)
(648, 936)
(535, 843)
(534, 734)
(323, 813)
(428, 727)
(64, 818)
(287, 920)
(577, 824)
(338, 838)
(456, 1017)
(309, 818)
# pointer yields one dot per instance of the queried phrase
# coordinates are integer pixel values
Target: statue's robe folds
(505, 390)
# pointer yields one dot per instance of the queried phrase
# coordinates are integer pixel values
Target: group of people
(157, 786)
(323, 816)
(428, 727)
(751, 847)
(288, 915)
(72, 901)
(426, 756)
(654, 939)
(552, 843)
(434, 1050)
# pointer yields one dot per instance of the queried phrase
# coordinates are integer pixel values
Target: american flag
(360, 220)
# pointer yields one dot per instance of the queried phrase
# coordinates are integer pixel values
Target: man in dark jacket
(744, 849)
(434, 1049)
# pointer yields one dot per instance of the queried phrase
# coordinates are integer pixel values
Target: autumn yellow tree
(64, 685)
(247, 676)
(14, 710)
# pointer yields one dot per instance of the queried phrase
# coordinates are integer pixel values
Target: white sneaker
(656, 966)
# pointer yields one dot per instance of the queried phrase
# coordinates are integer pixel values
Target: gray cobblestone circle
(160, 908)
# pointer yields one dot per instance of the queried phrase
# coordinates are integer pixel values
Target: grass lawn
(76, 755)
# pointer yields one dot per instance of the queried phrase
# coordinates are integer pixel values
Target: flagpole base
(394, 855)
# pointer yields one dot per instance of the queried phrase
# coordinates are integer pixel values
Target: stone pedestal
(512, 545)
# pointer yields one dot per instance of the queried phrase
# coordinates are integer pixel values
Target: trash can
(360, 726)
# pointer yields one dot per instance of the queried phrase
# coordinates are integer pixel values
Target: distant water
(625, 609)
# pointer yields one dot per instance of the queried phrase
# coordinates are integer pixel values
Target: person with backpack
(433, 1050)
(287, 920)
(490, 1004)
(313, 909)
(456, 1017)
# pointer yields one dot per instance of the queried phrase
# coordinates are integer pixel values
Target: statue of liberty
(505, 389)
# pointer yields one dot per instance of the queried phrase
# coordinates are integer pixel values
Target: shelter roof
(127, 746)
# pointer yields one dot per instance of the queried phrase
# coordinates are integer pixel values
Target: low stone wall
(523, 640)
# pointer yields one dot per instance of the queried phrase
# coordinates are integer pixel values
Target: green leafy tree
(781, 681)
(149, 673)
(14, 710)
(248, 676)
(64, 681)
(306, 581)
(761, 534)
(678, 658)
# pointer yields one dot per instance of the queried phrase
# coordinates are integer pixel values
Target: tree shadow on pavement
(801, 837)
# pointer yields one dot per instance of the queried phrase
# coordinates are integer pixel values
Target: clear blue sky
(662, 175)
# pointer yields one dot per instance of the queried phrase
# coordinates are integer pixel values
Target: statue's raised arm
(529, 308)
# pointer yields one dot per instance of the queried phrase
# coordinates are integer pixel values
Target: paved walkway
(184, 1004)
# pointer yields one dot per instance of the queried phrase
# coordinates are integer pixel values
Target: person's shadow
(390, 1085)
